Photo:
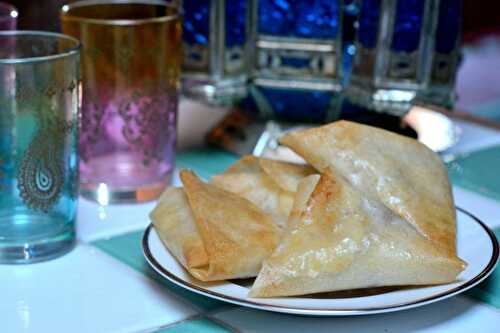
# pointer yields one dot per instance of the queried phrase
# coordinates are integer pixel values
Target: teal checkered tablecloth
(473, 172)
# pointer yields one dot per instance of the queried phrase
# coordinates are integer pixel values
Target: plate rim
(328, 312)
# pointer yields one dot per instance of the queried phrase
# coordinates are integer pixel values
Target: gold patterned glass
(130, 74)
(39, 95)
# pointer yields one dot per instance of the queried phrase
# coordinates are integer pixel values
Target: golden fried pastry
(213, 233)
(380, 213)
(337, 239)
(401, 173)
(269, 184)
(175, 224)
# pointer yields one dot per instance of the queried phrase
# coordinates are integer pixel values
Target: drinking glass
(8, 16)
(130, 74)
(39, 112)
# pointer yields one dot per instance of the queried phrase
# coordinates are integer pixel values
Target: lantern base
(396, 102)
(442, 96)
(222, 93)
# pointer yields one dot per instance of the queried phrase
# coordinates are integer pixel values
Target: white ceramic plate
(476, 244)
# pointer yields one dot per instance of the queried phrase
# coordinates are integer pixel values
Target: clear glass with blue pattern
(39, 121)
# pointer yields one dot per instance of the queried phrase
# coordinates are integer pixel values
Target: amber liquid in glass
(130, 76)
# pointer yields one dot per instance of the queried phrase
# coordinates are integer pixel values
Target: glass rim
(10, 13)
(67, 16)
(73, 50)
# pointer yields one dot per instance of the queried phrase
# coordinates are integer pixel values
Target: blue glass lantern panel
(236, 13)
(299, 18)
(407, 25)
(299, 105)
(448, 29)
(295, 62)
(368, 23)
(196, 24)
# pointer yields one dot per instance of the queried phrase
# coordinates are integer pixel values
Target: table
(89, 290)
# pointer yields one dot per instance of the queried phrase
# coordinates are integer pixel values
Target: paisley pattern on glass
(50, 91)
(124, 54)
(92, 52)
(27, 95)
(24, 94)
(126, 140)
(72, 86)
(40, 172)
(144, 129)
(91, 127)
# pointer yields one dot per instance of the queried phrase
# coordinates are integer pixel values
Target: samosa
(213, 233)
(400, 172)
(269, 184)
(337, 239)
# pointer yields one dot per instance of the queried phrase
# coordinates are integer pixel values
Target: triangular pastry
(400, 172)
(339, 239)
(173, 220)
(269, 184)
(213, 233)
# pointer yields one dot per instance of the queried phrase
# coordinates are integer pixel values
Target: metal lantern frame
(295, 64)
(386, 80)
(217, 73)
(212, 74)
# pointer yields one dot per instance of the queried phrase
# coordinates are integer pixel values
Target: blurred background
(477, 82)
(481, 38)
(481, 17)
